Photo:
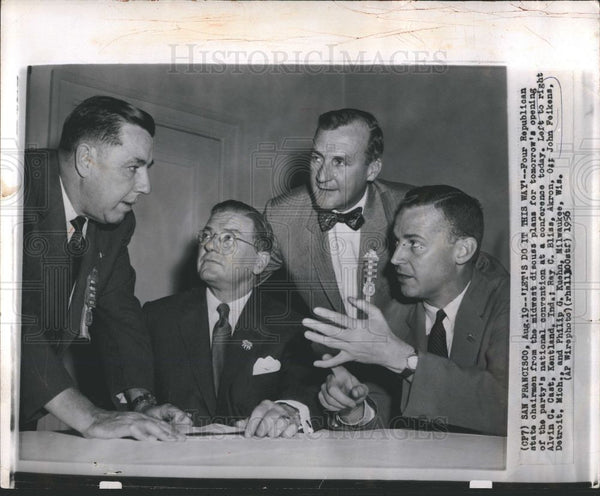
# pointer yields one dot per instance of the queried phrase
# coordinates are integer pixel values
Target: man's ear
(464, 249)
(85, 156)
(261, 262)
(374, 170)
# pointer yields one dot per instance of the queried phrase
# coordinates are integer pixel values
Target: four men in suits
(228, 350)
(450, 355)
(82, 327)
(222, 348)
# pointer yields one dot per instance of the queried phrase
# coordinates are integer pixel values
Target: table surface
(377, 454)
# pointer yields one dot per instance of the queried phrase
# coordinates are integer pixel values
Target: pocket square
(266, 366)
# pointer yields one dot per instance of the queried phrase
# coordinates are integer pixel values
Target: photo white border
(527, 36)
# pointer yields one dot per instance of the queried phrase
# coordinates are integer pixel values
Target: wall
(439, 127)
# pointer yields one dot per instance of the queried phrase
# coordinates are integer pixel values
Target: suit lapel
(469, 326)
(321, 259)
(416, 323)
(193, 327)
(92, 259)
(373, 235)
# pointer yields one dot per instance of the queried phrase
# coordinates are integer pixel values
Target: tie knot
(78, 223)
(223, 310)
(440, 316)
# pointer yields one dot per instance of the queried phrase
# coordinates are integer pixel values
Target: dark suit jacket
(179, 331)
(118, 356)
(304, 248)
(468, 390)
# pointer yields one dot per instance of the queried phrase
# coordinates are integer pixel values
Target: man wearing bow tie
(221, 348)
(82, 327)
(449, 355)
(323, 230)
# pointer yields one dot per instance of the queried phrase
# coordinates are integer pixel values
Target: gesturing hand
(361, 340)
(343, 393)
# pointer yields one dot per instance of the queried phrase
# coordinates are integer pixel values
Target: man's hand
(272, 420)
(366, 341)
(108, 425)
(343, 393)
(78, 412)
(169, 413)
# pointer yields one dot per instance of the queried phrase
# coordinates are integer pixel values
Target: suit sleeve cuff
(303, 412)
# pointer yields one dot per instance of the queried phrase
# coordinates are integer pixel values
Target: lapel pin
(247, 345)
(470, 338)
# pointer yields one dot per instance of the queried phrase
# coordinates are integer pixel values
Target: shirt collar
(70, 212)
(451, 309)
(235, 307)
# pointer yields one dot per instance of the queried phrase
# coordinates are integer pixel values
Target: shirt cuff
(303, 413)
(368, 415)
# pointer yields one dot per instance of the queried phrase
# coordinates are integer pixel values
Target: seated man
(450, 354)
(223, 347)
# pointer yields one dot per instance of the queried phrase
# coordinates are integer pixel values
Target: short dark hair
(343, 117)
(463, 212)
(100, 118)
(263, 232)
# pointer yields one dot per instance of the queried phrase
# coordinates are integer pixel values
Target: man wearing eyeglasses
(221, 348)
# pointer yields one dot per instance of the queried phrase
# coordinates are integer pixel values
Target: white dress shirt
(344, 245)
(451, 309)
(235, 309)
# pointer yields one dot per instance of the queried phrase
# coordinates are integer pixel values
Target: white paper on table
(213, 430)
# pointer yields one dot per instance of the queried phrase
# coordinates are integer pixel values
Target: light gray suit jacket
(470, 388)
(304, 249)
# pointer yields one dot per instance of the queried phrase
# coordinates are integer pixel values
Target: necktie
(76, 247)
(353, 219)
(437, 337)
(220, 337)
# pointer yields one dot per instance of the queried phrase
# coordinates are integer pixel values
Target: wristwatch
(412, 361)
(142, 402)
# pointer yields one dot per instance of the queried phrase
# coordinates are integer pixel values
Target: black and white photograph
(235, 266)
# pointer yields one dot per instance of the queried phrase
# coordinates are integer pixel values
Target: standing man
(450, 355)
(223, 347)
(324, 230)
(82, 327)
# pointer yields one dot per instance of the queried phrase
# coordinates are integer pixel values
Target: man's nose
(325, 172)
(399, 256)
(211, 244)
(142, 181)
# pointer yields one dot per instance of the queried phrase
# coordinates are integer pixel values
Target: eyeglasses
(223, 242)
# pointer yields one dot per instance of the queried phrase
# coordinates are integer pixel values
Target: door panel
(192, 155)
